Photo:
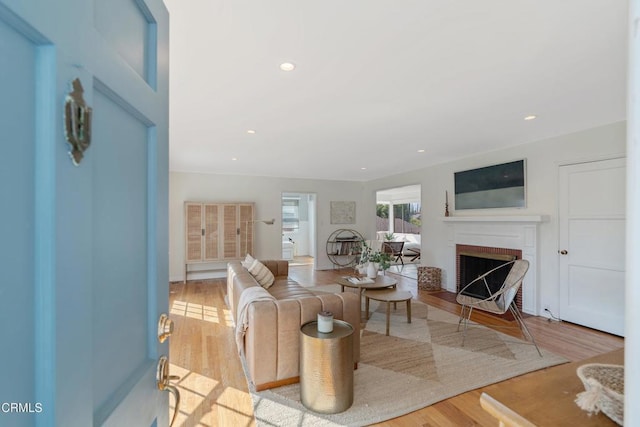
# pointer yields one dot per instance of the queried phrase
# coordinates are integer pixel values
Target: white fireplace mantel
(498, 218)
(500, 231)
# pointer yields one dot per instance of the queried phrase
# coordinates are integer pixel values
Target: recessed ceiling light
(531, 117)
(363, 169)
(287, 66)
(234, 158)
(421, 151)
(251, 131)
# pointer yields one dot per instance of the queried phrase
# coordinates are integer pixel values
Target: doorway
(299, 228)
(398, 219)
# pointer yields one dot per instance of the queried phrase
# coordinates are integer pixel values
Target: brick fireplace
(501, 236)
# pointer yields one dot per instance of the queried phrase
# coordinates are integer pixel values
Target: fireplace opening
(474, 261)
(474, 265)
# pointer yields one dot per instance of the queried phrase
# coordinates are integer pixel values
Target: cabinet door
(246, 229)
(231, 231)
(216, 231)
(193, 232)
(237, 224)
(211, 238)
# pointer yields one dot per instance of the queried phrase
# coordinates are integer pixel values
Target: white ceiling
(377, 80)
(407, 194)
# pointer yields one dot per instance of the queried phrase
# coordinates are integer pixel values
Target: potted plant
(372, 261)
(363, 258)
(381, 260)
(388, 237)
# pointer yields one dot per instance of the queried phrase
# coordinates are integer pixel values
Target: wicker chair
(498, 302)
(394, 249)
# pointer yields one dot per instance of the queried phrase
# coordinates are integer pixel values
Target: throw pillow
(247, 261)
(262, 274)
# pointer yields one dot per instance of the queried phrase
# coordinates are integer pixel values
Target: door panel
(604, 182)
(17, 251)
(592, 232)
(125, 25)
(587, 285)
(120, 252)
(585, 236)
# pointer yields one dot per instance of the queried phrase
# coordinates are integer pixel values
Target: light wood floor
(214, 389)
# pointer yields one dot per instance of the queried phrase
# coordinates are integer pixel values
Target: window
(398, 210)
(407, 218)
(290, 214)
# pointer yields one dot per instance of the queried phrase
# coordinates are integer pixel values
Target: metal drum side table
(326, 367)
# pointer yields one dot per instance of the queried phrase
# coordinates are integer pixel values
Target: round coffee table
(389, 296)
(380, 282)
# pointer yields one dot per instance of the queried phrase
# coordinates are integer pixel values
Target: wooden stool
(389, 296)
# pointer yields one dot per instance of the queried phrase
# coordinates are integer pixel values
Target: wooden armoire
(217, 232)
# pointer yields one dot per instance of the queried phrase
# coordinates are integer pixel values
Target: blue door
(84, 236)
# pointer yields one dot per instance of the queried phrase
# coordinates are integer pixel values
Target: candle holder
(325, 322)
(446, 203)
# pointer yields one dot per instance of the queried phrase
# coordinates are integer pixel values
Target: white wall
(543, 159)
(266, 193)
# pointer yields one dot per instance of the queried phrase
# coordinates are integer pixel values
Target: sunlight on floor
(202, 312)
(204, 403)
(408, 270)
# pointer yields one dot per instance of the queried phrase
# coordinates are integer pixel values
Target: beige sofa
(271, 341)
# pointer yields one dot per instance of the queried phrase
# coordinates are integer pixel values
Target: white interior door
(84, 250)
(592, 244)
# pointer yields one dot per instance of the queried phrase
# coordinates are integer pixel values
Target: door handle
(165, 327)
(162, 381)
(563, 252)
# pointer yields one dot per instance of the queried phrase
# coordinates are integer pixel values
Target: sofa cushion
(279, 268)
(262, 274)
(284, 288)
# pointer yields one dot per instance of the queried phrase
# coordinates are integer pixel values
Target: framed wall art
(343, 212)
(496, 186)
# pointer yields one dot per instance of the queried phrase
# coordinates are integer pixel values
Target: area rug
(419, 364)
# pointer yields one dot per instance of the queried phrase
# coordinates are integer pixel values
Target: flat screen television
(497, 186)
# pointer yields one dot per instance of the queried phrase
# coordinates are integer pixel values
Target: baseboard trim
(287, 381)
(200, 275)
(279, 383)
